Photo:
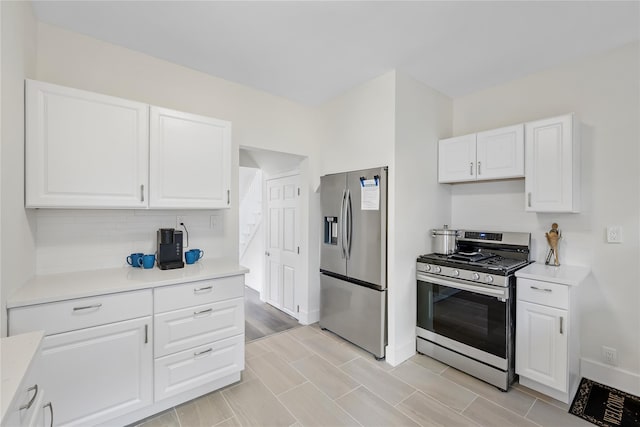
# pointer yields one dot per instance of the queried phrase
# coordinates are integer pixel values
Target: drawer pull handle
(33, 398)
(209, 310)
(200, 353)
(87, 307)
(50, 405)
(200, 290)
(541, 289)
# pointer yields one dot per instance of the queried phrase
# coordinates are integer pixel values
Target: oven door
(474, 315)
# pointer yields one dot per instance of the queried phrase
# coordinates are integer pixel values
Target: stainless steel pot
(444, 240)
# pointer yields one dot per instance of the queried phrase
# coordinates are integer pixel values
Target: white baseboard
(308, 317)
(396, 355)
(611, 376)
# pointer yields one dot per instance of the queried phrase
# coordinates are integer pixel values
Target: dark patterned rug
(605, 406)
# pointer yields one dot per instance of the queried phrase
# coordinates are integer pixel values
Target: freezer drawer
(356, 313)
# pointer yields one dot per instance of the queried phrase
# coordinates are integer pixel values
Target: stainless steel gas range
(466, 304)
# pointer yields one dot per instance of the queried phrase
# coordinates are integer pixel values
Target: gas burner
(483, 252)
(471, 256)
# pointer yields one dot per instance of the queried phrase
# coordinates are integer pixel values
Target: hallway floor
(262, 319)
(309, 377)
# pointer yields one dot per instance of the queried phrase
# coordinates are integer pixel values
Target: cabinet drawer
(197, 293)
(186, 370)
(545, 293)
(80, 313)
(186, 328)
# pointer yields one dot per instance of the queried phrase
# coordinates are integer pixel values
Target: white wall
(604, 92)
(359, 127)
(423, 116)
(393, 120)
(18, 50)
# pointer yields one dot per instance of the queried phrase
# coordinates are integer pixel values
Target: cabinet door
(500, 153)
(551, 184)
(99, 373)
(457, 159)
(542, 344)
(190, 160)
(84, 149)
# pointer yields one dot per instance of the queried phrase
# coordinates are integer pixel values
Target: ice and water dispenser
(331, 230)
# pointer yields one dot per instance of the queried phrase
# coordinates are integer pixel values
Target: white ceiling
(310, 51)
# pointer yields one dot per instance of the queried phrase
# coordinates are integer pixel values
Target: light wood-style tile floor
(309, 377)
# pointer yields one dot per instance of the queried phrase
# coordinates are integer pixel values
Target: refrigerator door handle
(349, 223)
(342, 224)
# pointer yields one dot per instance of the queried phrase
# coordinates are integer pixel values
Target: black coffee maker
(169, 249)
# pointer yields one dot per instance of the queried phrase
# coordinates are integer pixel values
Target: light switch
(614, 234)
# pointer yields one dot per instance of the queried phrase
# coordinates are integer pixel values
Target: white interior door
(283, 245)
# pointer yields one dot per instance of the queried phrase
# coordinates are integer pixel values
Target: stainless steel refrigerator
(353, 257)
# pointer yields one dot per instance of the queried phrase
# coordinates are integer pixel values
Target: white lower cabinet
(117, 358)
(31, 407)
(199, 335)
(97, 373)
(181, 371)
(547, 335)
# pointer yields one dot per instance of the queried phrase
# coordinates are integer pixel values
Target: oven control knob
(475, 276)
(488, 279)
(427, 267)
(455, 273)
(437, 269)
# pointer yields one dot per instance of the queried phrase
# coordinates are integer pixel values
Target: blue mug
(199, 253)
(135, 260)
(148, 261)
(190, 257)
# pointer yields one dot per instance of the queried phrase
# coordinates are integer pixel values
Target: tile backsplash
(76, 240)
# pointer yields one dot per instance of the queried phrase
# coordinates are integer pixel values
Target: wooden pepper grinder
(552, 238)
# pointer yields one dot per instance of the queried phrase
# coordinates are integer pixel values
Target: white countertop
(17, 354)
(64, 286)
(570, 275)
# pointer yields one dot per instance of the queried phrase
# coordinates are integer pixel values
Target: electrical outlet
(213, 221)
(614, 234)
(610, 356)
(179, 220)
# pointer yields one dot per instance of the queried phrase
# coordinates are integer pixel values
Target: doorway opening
(269, 239)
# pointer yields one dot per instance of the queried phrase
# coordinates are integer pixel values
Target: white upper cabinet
(552, 181)
(493, 154)
(190, 161)
(84, 149)
(457, 158)
(500, 153)
(88, 150)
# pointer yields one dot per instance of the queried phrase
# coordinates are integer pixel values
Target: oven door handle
(477, 288)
